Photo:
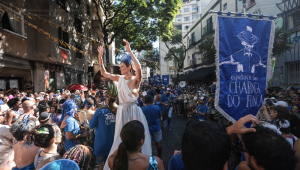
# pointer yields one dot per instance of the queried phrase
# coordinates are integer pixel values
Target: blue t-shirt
(202, 109)
(164, 98)
(175, 163)
(152, 113)
(74, 128)
(179, 91)
(140, 103)
(1, 101)
(289, 107)
(104, 121)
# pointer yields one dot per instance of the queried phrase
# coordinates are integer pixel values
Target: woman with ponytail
(46, 137)
(129, 153)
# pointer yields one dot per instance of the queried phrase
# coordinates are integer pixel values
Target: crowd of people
(112, 127)
(80, 126)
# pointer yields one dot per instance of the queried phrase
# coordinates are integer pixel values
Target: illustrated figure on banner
(46, 78)
(245, 59)
(128, 89)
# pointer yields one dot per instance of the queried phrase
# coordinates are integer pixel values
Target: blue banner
(165, 80)
(244, 47)
(157, 80)
(150, 80)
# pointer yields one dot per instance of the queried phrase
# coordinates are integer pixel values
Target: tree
(137, 21)
(281, 43)
(176, 50)
(207, 49)
(152, 59)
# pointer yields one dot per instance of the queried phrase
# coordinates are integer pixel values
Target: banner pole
(223, 12)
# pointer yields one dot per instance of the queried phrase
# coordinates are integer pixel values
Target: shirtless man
(28, 108)
(24, 153)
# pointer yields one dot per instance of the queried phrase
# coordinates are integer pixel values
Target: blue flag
(150, 80)
(165, 80)
(157, 80)
(244, 47)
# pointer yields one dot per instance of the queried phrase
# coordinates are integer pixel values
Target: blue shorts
(101, 159)
(157, 136)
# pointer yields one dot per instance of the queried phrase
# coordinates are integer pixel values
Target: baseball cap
(54, 95)
(168, 89)
(44, 117)
(57, 91)
(281, 103)
(202, 98)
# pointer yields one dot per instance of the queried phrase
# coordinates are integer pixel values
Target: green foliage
(207, 49)
(151, 59)
(140, 22)
(281, 43)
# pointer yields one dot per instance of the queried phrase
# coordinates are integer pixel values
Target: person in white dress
(128, 88)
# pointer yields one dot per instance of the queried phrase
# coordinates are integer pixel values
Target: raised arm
(105, 74)
(136, 63)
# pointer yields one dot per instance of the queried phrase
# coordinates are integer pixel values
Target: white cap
(201, 98)
(38, 98)
(168, 89)
(273, 98)
(281, 103)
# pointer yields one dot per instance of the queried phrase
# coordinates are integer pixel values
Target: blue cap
(54, 95)
(126, 57)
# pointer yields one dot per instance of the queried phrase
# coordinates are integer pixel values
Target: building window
(193, 37)
(186, 9)
(194, 16)
(88, 9)
(78, 1)
(188, 57)
(63, 37)
(68, 78)
(12, 21)
(225, 6)
(194, 8)
(79, 81)
(78, 24)
(209, 24)
(78, 54)
(61, 3)
(186, 18)
(293, 20)
(198, 9)
(179, 27)
(90, 33)
(293, 72)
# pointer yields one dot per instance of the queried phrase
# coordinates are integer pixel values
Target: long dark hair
(282, 113)
(131, 134)
(132, 70)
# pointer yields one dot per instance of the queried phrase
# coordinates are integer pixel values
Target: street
(171, 139)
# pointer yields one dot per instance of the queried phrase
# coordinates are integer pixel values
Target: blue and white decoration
(244, 48)
(165, 80)
(150, 80)
(157, 80)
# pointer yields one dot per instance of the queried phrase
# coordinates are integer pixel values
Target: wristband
(109, 75)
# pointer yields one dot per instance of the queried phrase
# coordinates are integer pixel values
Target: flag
(157, 80)
(244, 46)
(165, 80)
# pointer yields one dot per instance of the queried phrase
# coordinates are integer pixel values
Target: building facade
(50, 35)
(190, 11)
(203, 30)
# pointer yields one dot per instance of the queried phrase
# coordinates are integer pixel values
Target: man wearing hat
(166, 100)
(246, 60)
(201, 111)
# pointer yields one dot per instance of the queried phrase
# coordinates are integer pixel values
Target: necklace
(127, 81)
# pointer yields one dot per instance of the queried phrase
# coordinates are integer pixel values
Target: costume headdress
(126, 57)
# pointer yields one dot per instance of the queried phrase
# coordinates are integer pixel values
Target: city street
(171, 139)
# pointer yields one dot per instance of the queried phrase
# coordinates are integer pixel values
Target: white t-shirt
(4, 108)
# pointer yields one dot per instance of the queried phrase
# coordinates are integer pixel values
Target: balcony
(208, 29)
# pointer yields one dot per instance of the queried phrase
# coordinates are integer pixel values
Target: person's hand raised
(100, 52)
(127, 45)
(63, 123)
(239, 126)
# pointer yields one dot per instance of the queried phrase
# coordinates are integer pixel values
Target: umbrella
(77, 87)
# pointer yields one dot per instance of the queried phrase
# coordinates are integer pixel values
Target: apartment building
(195, 67)
(190, 11)
(26, 50)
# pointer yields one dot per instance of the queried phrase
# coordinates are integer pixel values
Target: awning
(201, 73)
(7, 60)
(183, 77)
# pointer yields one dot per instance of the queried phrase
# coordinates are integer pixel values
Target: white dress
(127, 111)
